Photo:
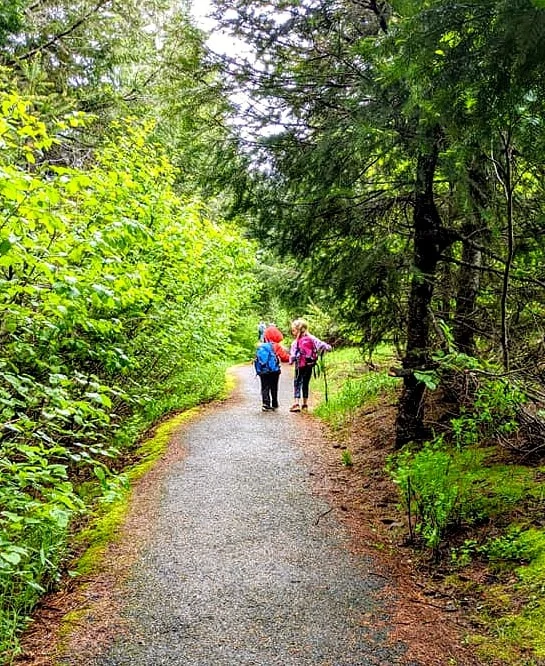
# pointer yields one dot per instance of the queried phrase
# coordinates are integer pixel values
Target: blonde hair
(300, 325)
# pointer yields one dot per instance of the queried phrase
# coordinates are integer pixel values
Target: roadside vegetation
(375, 166)
(352, 383)
(120, 303)
(470, 505)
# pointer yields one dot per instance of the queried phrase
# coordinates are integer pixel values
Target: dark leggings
(301, 381)
(269, 389)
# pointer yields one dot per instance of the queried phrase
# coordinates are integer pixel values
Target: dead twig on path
(322, 515)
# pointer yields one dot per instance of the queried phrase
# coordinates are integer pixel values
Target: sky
(199, 10)
(218, 41)
(221, 43)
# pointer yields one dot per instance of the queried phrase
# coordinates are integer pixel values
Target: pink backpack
(307, 354)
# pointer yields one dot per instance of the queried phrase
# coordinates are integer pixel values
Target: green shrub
(351, 386)
(442, 487)
(492, 414)
(432, 488)
(516, 545)
(117, 303)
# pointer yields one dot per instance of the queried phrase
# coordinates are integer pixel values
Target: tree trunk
(468, 287)
(469, 276)
(509, 190)
(429, 242)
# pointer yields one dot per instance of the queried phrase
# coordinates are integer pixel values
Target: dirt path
(231, 559)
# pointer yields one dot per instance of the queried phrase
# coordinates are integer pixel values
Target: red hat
(272, 334)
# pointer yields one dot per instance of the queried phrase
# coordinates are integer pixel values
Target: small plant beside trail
(346, 458)
(433, 490)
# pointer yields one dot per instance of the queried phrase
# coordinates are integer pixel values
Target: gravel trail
(244, 566)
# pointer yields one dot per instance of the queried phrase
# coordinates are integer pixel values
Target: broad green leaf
(10, 556)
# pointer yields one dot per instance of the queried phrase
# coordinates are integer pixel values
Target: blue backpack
(266, 360)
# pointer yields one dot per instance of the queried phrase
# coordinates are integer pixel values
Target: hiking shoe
(295, 408)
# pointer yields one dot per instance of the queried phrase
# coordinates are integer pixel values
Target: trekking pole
(322, 363)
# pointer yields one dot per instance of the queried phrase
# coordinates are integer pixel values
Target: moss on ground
(518, 632)
(110, 516)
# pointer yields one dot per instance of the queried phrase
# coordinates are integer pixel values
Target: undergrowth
(467, 481)
(469, 502)
(112, 506)
(351, 384)
(43, 508)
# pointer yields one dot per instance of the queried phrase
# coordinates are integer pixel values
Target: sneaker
(295, 408)
(304, 408)
(266, 408)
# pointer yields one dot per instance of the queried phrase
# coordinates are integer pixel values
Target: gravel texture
(245, 566)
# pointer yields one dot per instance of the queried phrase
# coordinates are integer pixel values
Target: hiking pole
(322, 363)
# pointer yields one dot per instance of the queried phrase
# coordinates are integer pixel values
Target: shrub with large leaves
(117, 303)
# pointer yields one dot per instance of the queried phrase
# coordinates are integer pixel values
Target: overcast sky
(199, 9)
(218, 40)
(221, 43)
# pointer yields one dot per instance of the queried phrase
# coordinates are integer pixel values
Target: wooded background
(377, 166)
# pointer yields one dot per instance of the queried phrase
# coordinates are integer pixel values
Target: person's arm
(293, 351)
(321, 346)
(282, 353)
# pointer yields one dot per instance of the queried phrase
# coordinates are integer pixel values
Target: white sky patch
(218, 40)
(221, 42)
(200, 10)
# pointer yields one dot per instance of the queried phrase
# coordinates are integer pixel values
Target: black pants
(301, 380)
(269, 389)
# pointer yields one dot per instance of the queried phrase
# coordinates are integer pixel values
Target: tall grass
(351, 384)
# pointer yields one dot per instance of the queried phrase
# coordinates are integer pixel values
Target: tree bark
(430, 239)
(509, 190)
(469, 276)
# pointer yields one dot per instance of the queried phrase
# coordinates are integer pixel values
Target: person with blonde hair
(304, 355)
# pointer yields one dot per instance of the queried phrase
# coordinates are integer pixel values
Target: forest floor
(430, 618)
(432, 624)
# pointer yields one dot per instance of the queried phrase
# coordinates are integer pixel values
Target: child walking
(304, 355)
(267, 364)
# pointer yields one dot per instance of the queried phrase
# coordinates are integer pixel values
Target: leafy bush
(442, 487)
(433, 489)
(492, 413)
(117, 300)
(447, 481)
(490, 404)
